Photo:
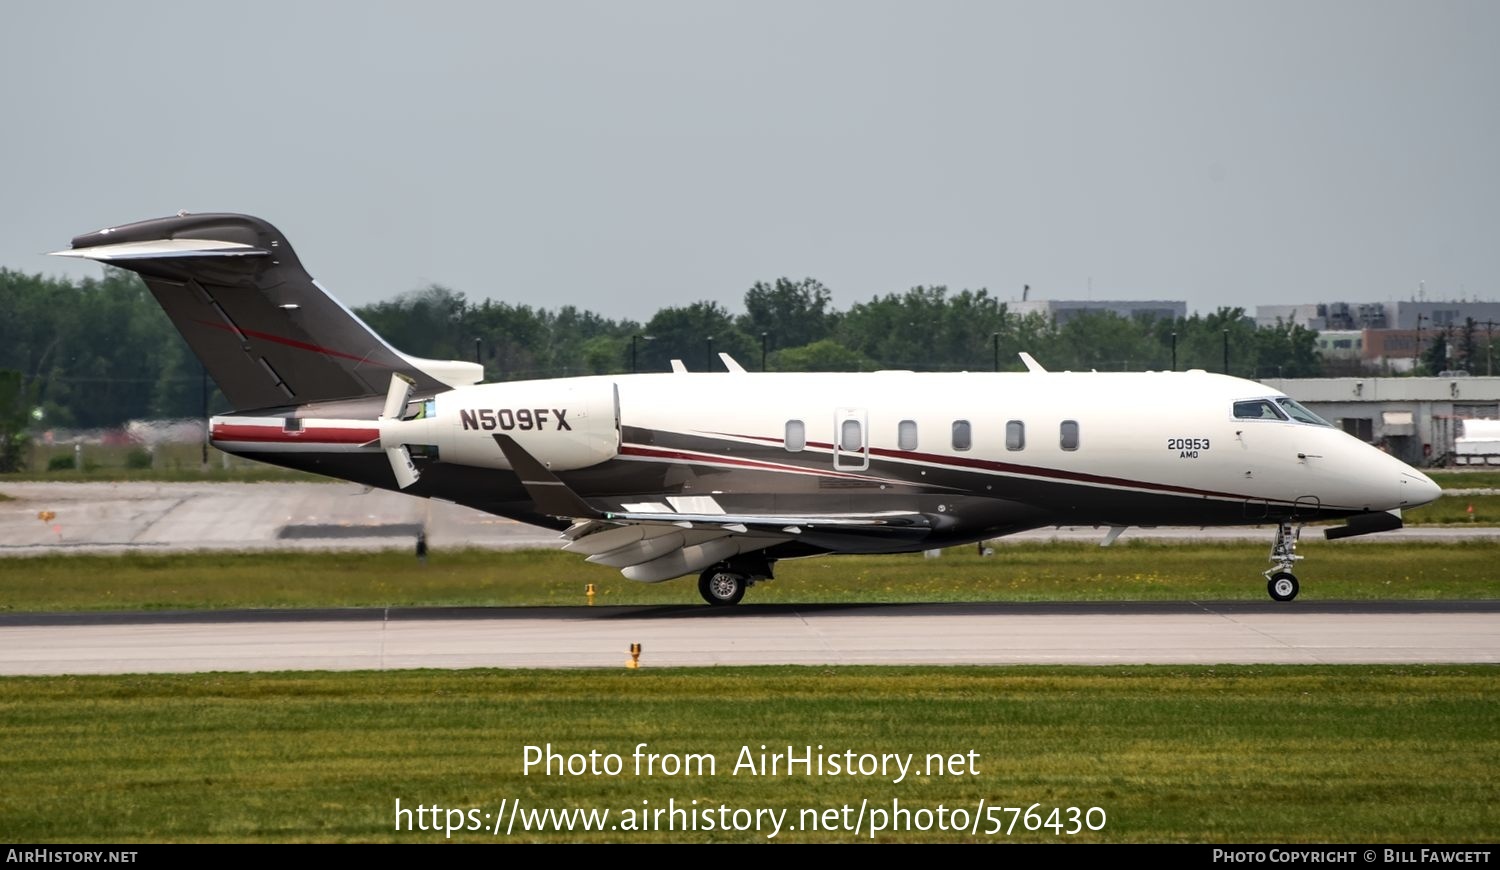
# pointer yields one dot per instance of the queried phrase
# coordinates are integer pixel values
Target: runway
(168, 517)
(1138, 633)
(185, 517)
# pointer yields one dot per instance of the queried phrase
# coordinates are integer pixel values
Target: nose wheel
(1283, 586)
(1280, 582)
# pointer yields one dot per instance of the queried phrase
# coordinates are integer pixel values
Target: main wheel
(1283, 586)
(721, 587)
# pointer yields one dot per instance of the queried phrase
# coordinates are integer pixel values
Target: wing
(657, 542)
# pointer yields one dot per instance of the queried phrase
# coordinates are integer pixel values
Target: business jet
(724, 474)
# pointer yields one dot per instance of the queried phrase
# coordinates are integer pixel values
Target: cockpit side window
(1301, 414)
(1258, 409)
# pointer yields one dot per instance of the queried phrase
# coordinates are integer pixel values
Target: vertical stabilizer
(267, 332)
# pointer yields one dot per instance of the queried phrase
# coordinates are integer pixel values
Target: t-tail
(269, 335)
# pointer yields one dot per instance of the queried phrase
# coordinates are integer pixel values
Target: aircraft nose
(1418, 489)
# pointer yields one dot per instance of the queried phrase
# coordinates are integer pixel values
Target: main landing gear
(722, 586)
(1280, 581)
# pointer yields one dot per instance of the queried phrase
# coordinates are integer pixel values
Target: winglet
(730, 364)
(678, 368)
(1031, 364)
(552, 496)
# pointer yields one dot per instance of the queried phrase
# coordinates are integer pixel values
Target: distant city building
(1392, 349)
(1341, 343)
(1407, 314)
(1310, 315)
(1384, 336)
(1440, 315)
(1063, 310)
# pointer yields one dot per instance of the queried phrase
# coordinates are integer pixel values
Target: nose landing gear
(1280, 582)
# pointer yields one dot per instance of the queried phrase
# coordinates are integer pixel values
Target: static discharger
(635, 656)
(589, 591)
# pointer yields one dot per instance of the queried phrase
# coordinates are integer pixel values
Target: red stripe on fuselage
(1013, 468)
(279, 435)
(711, 459)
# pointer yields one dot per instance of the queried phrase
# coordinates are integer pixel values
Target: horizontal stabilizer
(163, 248)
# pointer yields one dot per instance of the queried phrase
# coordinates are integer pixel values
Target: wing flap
(779, 522)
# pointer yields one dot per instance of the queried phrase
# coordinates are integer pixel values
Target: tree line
(97, 352)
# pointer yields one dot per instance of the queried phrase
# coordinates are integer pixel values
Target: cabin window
(906, 435)
(1069, 434)
(963, 439)
(850, 438)
(1257, 409)
(1015, 435)
(291, 424)
(796, 436)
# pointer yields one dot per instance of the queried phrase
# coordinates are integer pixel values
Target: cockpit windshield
(1258, 409)
(1301, 414)
(1280, 408)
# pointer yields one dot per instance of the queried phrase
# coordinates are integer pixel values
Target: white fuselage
(1103, 437)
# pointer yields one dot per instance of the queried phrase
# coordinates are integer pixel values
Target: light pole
(996, 337)
(1489, 348)
(1417, 362)
(708, 359)
(764, 342)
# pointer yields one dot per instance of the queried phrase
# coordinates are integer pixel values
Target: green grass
(1463, 479)
(169, 463)
(1140, 570)
(1455, 509)
(1171, 754)
(260, 473)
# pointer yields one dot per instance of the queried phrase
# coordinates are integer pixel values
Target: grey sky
(626, 156)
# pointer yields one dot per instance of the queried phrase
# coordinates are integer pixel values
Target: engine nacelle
(565, 424)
